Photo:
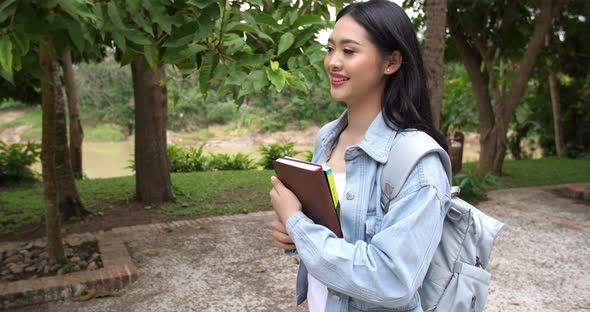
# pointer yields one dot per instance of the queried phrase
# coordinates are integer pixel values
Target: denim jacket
(383, 258)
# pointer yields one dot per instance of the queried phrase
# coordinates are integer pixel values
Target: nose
(333, 62)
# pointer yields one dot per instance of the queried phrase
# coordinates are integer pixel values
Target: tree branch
(479, 80)
(543, 21)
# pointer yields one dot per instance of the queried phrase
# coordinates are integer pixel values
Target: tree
(42, 30)
(554, 93)
(75, 128)
(239, 47)
(434, 53)
(487, 35)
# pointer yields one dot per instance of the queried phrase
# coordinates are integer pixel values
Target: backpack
(457, 278)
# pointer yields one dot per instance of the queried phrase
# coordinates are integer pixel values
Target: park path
(540, 262)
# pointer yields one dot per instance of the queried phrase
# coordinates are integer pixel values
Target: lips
(337, 79)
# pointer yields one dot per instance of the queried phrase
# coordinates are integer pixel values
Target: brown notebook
(308, 182)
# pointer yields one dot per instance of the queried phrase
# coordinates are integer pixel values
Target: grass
(32, 117)
(202, 134)
(544, 171)
(233, 192)
(105, 133)
(196, 194)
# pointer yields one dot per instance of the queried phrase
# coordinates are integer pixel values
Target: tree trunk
(76, 132)
(47, 59)
(434, 54)
(554, 93)
(68, 199)
(494, 123)
(152, 175)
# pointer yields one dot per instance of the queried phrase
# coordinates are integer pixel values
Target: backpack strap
(408, 148)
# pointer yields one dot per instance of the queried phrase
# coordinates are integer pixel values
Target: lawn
(232, 192)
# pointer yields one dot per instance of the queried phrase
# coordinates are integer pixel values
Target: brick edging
(118, 272)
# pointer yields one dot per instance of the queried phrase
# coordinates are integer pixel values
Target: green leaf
(182, 35)
(259, 80)
(138, 37)
(113, 12)
(76, 37)
(77, 9)
(243, 27)
(237, 78)
(7, 8)
(128, 57)
(256, 60)
(276, 78)
(151, 55)
(274, 65)
(285, 42)
(304, 37)
(245, 89)
(7, 76)
(309, 20)
(262, 18)
(133, 6)
(210, 61)
(119, 40)
(177, 55)
(22, 41)
(138, 18)
(6, 54)
(201, 4)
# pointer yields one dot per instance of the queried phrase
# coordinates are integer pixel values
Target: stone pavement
(230, 264)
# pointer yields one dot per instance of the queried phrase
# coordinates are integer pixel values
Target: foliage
(224, 161)
(459, 111)
(15, 160)
(473, 186)
(273, 151)
(187, 159)
(106, 133)
(105, 93)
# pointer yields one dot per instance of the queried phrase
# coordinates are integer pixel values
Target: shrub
(224, 161)
(187, 159)
(474, 186)
(15, 160)
(273, 151)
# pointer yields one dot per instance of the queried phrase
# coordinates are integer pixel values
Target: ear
(394, 61)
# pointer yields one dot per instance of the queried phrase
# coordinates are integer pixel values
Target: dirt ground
(540, 262)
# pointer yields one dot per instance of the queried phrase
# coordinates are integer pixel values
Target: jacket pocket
(467, 290)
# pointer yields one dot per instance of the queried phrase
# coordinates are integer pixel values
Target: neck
(361, 115)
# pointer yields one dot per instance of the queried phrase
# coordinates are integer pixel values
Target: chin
(338, 96)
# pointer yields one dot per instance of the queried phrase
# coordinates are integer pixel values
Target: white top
(317, 293)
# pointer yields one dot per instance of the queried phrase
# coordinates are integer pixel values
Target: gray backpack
(457, 278)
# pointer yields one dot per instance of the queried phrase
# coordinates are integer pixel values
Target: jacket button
(335, 298)
(349, 196)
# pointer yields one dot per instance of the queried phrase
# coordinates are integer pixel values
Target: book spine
(332, 185)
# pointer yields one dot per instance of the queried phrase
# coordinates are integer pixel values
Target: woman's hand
(283, 201)
(280, 235)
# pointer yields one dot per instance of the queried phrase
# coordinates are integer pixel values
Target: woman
(375, 67)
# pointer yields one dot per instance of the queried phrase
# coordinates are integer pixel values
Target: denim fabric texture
(383, 258)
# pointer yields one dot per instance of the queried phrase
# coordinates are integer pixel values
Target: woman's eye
(328, 49)
(348, 51)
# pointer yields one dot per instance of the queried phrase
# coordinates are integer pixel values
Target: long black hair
(405, 102)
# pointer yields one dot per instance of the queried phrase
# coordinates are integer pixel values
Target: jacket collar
(377, 142)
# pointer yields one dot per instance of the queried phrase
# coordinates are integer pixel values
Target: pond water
(111, 159)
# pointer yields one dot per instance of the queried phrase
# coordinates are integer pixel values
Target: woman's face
(354, 65)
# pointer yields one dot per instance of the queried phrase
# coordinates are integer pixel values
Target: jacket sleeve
(389, 270)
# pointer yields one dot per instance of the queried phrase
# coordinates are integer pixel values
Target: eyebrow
(344, 41)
